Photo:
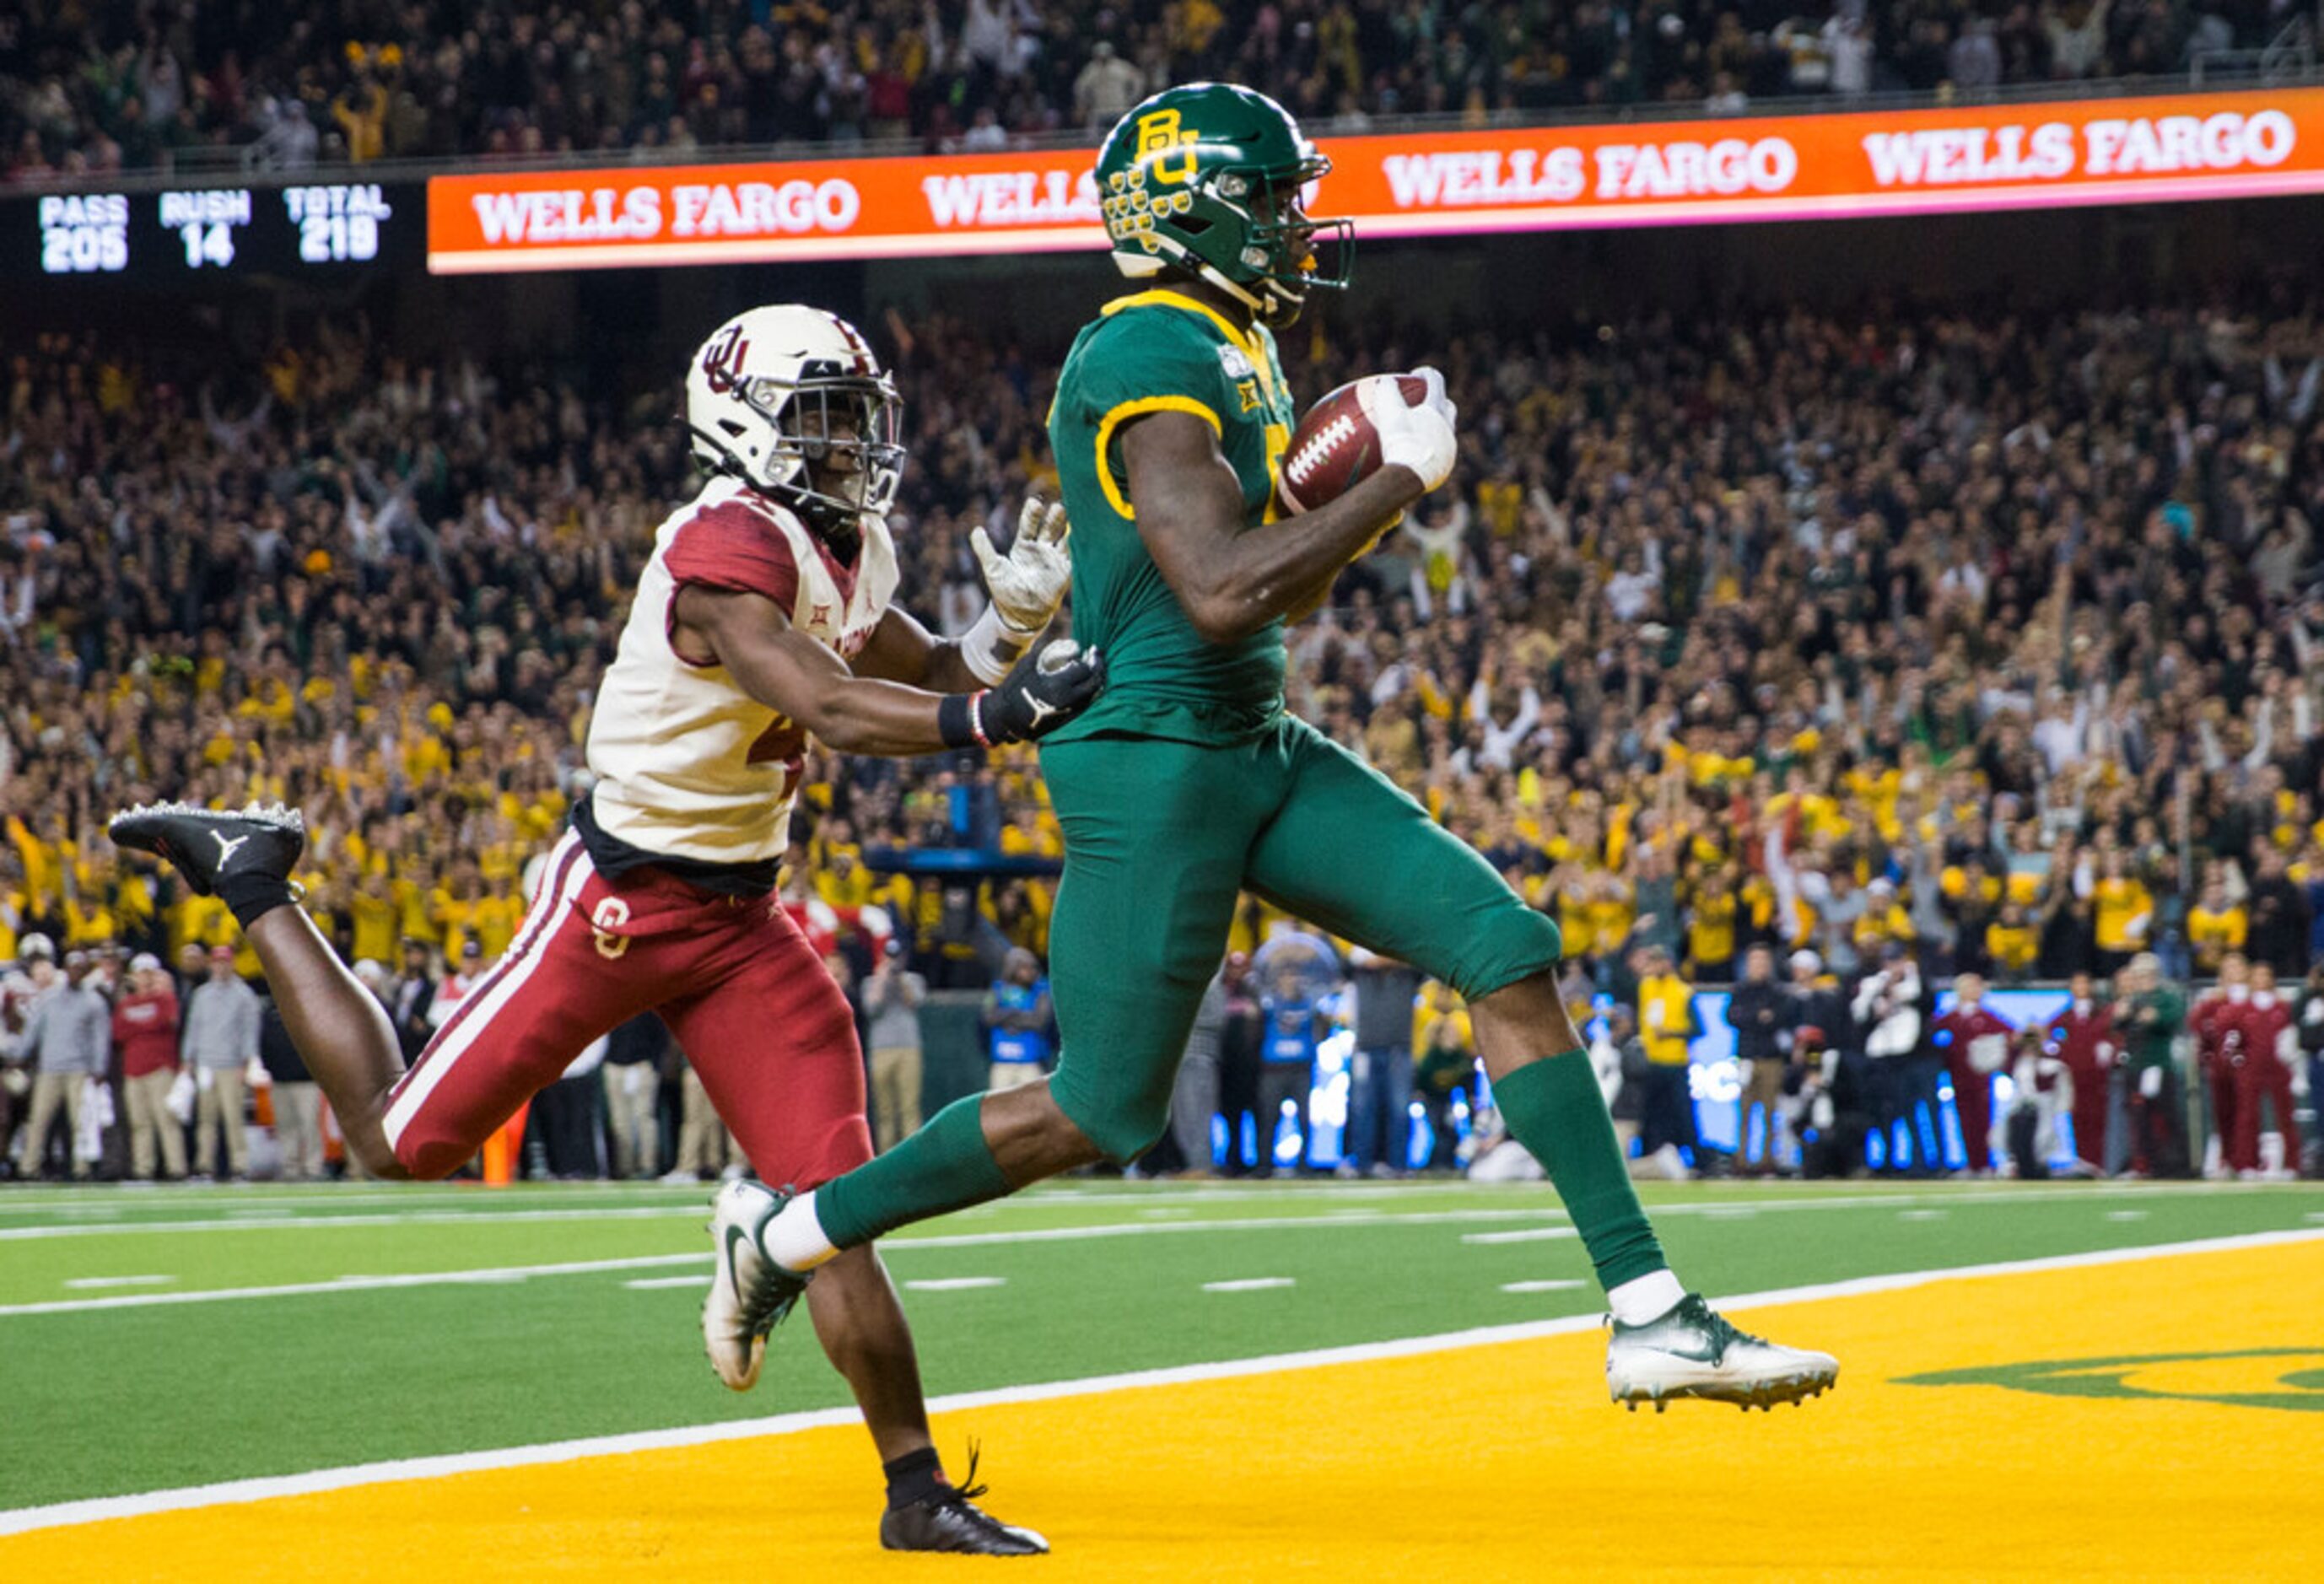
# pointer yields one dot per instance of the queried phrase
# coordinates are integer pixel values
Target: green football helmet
(1206, 177)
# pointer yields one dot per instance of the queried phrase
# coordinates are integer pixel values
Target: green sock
(944, 1167)
(1554, 1107)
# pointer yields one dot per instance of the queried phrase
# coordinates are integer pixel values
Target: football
(1335, 446)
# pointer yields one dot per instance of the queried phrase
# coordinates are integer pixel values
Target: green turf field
(151, 1339)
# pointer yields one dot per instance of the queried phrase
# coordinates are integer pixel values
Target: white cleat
(1693, 1352)
(750, 1293)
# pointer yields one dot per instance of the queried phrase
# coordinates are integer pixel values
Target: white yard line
(956, 1283)
(82, 1283)
(1251, 1285)
(235, 1491)
(278, 1220)
(891, 1246)
(649, 1283)
(434, 1278)
(129, 1197)
(906, 1243)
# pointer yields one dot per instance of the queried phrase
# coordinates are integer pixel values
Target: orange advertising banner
(2145, 150)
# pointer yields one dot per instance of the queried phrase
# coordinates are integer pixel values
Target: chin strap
(1265, 304)
(1234, 289)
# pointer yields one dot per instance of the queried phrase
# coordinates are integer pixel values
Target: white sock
(1633, 1302)
(794, 1239)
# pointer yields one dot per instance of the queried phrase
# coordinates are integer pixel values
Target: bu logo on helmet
(722, 359)
(1158, 134)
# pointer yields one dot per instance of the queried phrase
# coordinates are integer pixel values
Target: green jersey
(2153, 1023)
(1164, 352)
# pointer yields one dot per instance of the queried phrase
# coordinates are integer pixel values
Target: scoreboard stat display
(221, 230)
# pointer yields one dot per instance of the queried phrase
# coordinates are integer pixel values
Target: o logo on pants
(609, 915)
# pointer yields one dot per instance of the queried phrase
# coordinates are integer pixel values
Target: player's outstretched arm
(785, 669)
(1026, 585)
(1232, 581)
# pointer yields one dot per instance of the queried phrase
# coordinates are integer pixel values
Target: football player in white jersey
(762, 619)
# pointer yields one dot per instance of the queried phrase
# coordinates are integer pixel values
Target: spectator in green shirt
(2149, 1015)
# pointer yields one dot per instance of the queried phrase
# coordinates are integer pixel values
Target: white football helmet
(778, 388)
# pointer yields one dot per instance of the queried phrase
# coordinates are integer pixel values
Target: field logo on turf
(2254, 1378)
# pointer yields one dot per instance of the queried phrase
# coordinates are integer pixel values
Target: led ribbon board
(2117, 150)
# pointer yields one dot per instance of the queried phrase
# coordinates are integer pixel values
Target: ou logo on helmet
(610, 913)
(722, 365)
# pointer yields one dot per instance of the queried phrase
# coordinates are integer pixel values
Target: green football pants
(1161, 836)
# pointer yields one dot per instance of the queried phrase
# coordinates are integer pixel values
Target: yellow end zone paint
(2028, 1447)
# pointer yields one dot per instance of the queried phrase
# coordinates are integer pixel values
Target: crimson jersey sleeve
(729, 546)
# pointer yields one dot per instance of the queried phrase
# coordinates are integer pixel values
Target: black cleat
(950, 1520)
(205, 845)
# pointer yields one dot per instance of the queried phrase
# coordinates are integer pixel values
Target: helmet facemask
(1282, 254)
(830, 446)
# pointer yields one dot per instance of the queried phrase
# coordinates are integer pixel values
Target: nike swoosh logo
(734, 1276)
(1694, 1354)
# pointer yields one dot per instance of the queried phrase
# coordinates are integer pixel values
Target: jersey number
(785, 745)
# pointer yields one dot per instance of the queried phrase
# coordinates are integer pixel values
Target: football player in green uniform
(1188, 782)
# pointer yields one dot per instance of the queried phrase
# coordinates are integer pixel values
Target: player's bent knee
(1121, 1139)
(1111, 1120)
(1515, 943)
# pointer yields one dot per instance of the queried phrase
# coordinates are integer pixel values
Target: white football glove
(1418, 437)
(1029, 584)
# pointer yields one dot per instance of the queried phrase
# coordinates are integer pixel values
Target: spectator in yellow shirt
(498, 914)
(373, 915)
(1710, 926)
(2012, 944)
(2215, 926)
(1613, 908)
(1667, 1024)
(2124, 910)
(1882, 922)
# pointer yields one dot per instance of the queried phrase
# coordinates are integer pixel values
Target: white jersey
(688, 764)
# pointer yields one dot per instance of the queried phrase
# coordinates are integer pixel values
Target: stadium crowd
(131, 85)
(1980, 644)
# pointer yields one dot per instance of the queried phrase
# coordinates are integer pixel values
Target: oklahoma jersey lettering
(688, 764)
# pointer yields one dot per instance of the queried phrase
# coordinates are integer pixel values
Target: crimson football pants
(2262, 1075)
(767, 1031)
(1973, 1102)
(2223, 1093)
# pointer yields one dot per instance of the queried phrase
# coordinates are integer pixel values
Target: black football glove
(1043, 691)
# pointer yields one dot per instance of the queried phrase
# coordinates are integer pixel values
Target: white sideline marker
(1250, 1285)
(234, 1492)
(81, 1283)
(647, 1284)
(2135, 1215)
(1527, 1235)
(1539, 1286)
(956, 1283)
